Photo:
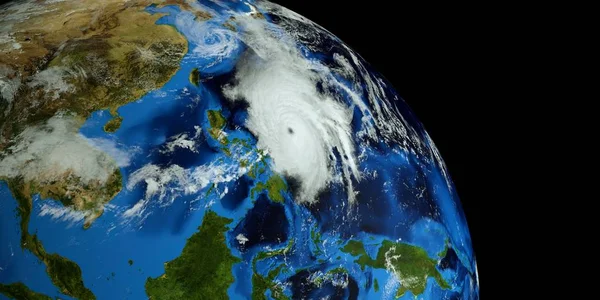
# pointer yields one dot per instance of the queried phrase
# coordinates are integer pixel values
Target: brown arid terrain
(59, 62)
(80, 56)
(74, 58)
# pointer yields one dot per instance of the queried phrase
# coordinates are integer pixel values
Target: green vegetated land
(329, 276)
(217, 123)
(260, 284)
(275, 187)
(203, 270)
(195, 77)
(20, 291)
(117, 72)
(113, 124)
(411, 264)
(64, 273)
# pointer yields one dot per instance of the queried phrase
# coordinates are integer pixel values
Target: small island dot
(130, 262)
(290, 130)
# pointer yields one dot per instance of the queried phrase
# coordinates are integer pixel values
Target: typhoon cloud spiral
(213, 149)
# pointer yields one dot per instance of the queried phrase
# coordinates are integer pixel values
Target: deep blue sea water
(408, 201)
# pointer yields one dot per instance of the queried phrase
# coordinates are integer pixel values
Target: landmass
(89, 197)
(315, 236)
(195, 77)
(409, 263)
(130, 262)
(229, 24)
(203, 270)
(217, 123)
(82, 56)
(256, 170)
(444, 251)
(376, 285)
(64, 273)
(73, 58)
(329, 276)
(275, 187)
(268, 254)
(113, 124)
(95, 56)
(20, 291)
(260, 284)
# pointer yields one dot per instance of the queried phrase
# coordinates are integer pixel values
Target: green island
(444, 251)
(64, 273)
(272, 253)
(241, 142)
(113, 124)
(328, 276)
(259, 167)
(195, 77)
(256, 170)
(130, 262)
(376, 285)
(217, 123)
(411, 264)
(275, 187)
(315, 235)
(20, 291)
(261, 284)
(203, 270)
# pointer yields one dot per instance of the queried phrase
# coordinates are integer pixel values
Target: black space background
(433, 56)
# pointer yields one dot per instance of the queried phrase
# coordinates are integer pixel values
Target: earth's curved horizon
(213, 149)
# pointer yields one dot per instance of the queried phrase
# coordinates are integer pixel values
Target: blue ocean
(431, 218)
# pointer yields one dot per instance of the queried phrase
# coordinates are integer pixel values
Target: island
(275, 187)
(217, 122)
(67, 66)
(411, 264)
(64, 273)
(261, 284)
(73, 70)
(195, 77)
(203, 270)
(113, 124)
(20, 291)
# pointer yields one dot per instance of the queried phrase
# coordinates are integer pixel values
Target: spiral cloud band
(301, 128)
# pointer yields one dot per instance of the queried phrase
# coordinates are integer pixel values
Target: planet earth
(208, 150)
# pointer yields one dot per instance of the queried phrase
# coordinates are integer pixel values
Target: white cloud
(61, 213)
(53, 81)
(299, 126)
(157, 179)
(163, 185)
(9, 85)
(48, 151)
(182, 140)
(241, 239)
(213, 42)
(110, 147)
(345, 68)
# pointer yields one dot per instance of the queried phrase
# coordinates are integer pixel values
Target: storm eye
(290, 130)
